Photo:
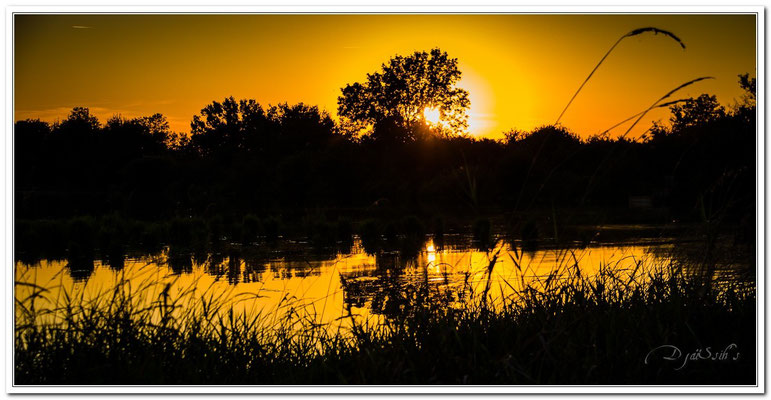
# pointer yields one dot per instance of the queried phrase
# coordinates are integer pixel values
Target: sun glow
(432, 115)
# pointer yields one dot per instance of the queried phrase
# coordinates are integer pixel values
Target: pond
(324, 287)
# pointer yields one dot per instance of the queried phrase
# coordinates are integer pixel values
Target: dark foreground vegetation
(574, 330)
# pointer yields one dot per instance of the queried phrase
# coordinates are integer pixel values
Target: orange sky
(520, 70)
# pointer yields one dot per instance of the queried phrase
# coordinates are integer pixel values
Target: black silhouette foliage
(394, 99)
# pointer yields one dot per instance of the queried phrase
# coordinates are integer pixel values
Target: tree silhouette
(395, 98)
(245, 126)
(746, 109)
(749, 86)
(228, 126)
(77, 134)
(301, 125)
(79, 128)
(695, 112)
(137, 136)
(80, 118)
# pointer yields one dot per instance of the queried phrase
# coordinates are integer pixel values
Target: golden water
(328, 288)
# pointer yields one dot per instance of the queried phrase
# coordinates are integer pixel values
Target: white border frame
(7, 178)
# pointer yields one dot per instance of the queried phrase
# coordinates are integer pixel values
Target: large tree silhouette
(394, 99)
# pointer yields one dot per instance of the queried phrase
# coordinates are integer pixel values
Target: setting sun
(432, 115)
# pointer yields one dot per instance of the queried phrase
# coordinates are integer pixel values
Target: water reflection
(365, 280)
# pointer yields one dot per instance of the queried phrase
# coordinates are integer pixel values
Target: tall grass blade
(632, 33)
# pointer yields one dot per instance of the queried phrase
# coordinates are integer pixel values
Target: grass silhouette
(629, 34)
(604, 325)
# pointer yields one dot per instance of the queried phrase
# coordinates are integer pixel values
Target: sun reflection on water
(327, 287)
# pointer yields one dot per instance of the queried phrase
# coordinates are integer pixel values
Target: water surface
(328, 286)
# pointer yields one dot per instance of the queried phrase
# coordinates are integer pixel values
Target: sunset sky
(520, 70)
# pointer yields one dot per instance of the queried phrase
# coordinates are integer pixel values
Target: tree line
(381, 156)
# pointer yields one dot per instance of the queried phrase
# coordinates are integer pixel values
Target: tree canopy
(245, 125)
(694, 112)
(394, 99)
